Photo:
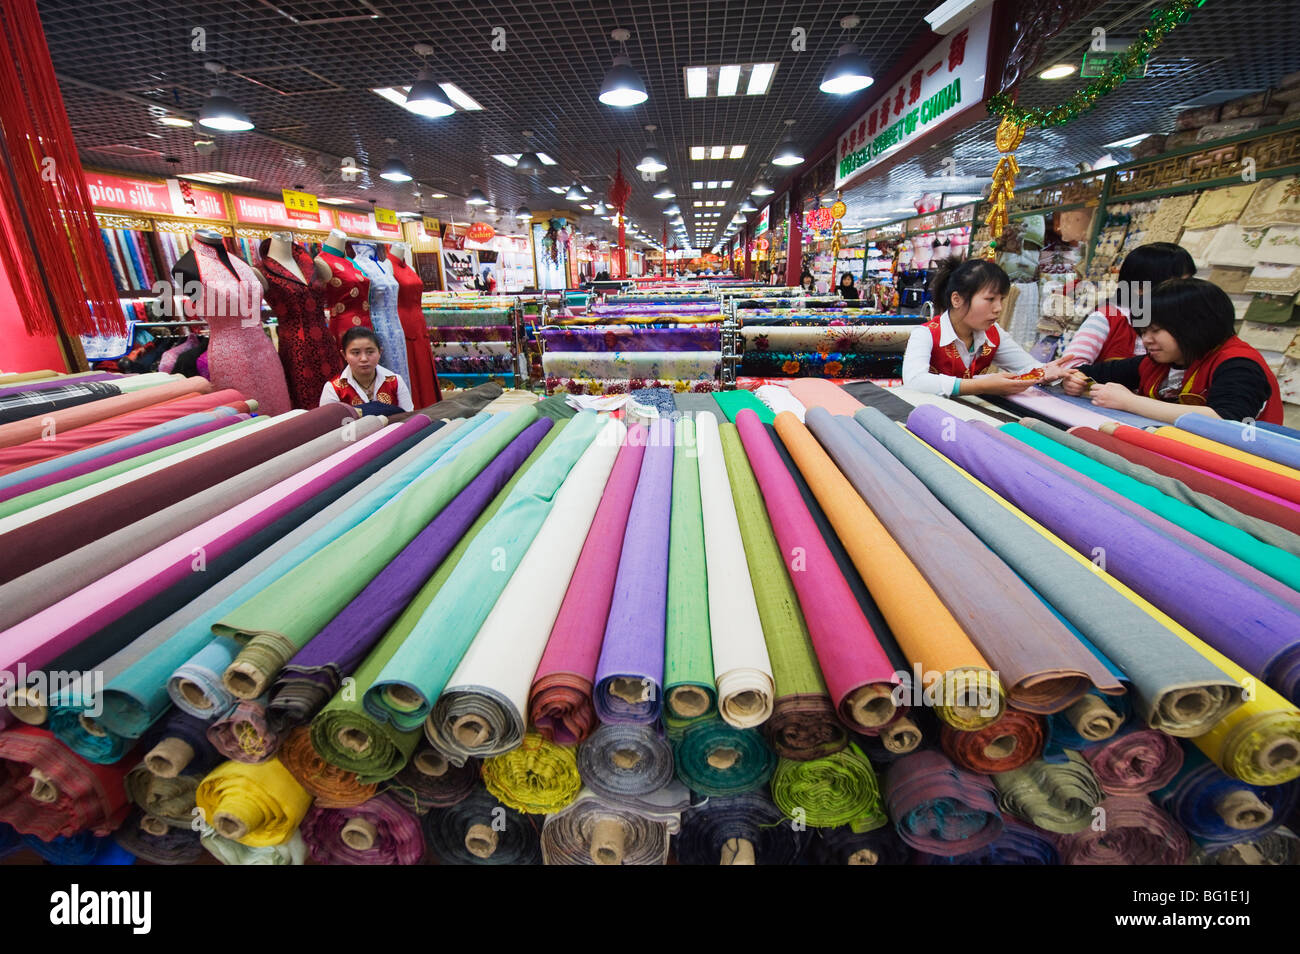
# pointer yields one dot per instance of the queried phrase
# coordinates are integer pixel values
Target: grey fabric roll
(873, 395)
(594, 831)
(697, 404)
(618, 760)
(1054, 796)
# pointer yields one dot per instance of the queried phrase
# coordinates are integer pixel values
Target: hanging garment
(309, 351)
(423, 379)
(347, 294)
(239, 355)
(383, 310)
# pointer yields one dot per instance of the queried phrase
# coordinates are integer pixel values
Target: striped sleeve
(1086, 345)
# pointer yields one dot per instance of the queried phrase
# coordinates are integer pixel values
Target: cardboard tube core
(43, 787)
(153, 825)
(1243, 810)
(404, 696)
(737, 851)
(194, 695)
(723, 759)
(1278, 754)
(626, 758)
(607, 842)
(244, 681)
(229, 826)
(470, 731)
(431, 762)
(354, 740)
(864, 856)
(901, 735)
(169, 757)
(630, 689)
(1093, 719)
(1191, 704)
(29, 706)
(689, 701)
(88, 724)
(359, 834)
(871, 706)
(1001, 747)
(748, 703)
(480, 841)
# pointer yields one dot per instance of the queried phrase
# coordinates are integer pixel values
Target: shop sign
(153, 198)
(357, 224)
(947, 82)
(453, 238)
(301, 206)
(764, 219)
(818, 218)
(431, 226)
(268, 212)
(386, 220)
(480, 232)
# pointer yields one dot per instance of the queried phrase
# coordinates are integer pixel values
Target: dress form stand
(309, 352)
(383, 310)
(410, 311)
(347, 289)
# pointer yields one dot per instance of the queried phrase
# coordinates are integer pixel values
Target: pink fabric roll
(31, 429)
(817, 392)
(1135, 762)
(378, 832)
(1135, 833)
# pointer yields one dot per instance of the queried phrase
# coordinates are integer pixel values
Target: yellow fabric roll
(1223, 450)
(537, 778)
(19, 377)
(254, 804)
(1259, 741)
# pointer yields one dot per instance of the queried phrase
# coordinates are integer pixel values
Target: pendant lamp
(623, 86)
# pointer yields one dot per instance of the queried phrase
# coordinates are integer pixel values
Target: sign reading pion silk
(948, 81)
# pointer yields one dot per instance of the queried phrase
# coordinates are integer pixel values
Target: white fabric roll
(779, 399)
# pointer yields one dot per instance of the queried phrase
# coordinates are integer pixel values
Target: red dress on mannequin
(419, 353)
(347, 295)
(308, 349)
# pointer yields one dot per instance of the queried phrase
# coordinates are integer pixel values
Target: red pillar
(794, 255)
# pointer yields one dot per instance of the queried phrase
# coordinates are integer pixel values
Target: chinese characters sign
(301, 206)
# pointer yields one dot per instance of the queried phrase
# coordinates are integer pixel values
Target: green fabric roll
(831, 791)
(1054, 796)
(413, 679)
(556, 407)
(228, 852)
(282, 618)
(1277, 563)
(688, 657)
(35, 497)
(803, 723)
(733, 402)
(347, 736)
(713, 758)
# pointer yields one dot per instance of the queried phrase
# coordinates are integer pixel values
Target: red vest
(947, 359)
(1200, 375)
(347, 394)
(1121, 339)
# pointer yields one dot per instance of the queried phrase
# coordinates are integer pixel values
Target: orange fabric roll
(331, 786)
(19, 432)
(818, 392)
(926, 631)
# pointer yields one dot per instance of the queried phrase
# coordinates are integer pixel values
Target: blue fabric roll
(1257, 439)
(80, 849)
(1019, 844)
(1194, 796)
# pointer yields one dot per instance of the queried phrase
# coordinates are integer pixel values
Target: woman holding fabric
(1194, 363)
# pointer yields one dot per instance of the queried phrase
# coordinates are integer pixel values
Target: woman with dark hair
(364, 383)
(1194, 363)
(950, 355)
(1108, 333)
(848, 290)
(807, 284)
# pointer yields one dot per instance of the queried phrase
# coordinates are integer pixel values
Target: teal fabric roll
(713, 758)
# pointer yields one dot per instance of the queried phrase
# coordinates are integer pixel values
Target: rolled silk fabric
(1134, 762)
(80, 849)
(242, 733)
(621, 760)
(1135, 833)
(1054, 796)
(328, 785)
(844, 846)
(429, 781)
(560, 703)
(1048, 407)
(537, 778)
(939, 809)
(858, 673)
(803, 723)
(925, 629)
(1281, 847)
(1092, 719)
(254, 805)
(733, 402)
(831, 791)
(1215, 809)
(47, 790)
(848, 339)
(713, 758)
(740, 830)
(1179, 690)
(1017, 845)
(1222, 451)
(629, 673)
(780, 399)
(815, 392)
(291, 852)
(378, 832)
(479, 830)
(154, 841)
(483, 710)
(742, 669)
(1014, 740)
(1247, 438)
(688, 656)
(593, 831)
(693, 405)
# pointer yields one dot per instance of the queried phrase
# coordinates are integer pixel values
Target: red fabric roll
(31, 429)
(1013, 741)
(1238, 498)
(88, 796)
(1135, 833)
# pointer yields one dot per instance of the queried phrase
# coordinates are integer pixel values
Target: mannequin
(347, 289)
(383, 309)
(228, 295)
(410, 312)
(309, 352)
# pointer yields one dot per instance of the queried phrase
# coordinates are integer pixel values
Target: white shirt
(1010, 357)
(327, 395)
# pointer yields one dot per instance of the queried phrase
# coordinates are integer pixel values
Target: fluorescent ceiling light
(335, 201)
(216, 178)
(717, 152)
(737, 152)
(437, 195)
(1060, 71)
(459, 96)
(713, 184)
(174, 121)
(760, 78)
(509, 160)
(697, 184)
(1128, 143)
(697, 81)
(558, 190)
(697, 152)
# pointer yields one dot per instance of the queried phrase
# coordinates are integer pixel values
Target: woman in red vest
(1108, 333)
(950, 355)
(1194, 363)
(364, 383)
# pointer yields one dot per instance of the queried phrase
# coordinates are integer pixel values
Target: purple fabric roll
(1246, 625)
(630, 672)
(1232, 564)
(85, 467)
(633, 338)
(41, 385)
(939, 809)
(314, 674)
(378, 832)
(1135, 761)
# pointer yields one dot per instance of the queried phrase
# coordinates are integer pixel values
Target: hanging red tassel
(49, 237)
(619, 193)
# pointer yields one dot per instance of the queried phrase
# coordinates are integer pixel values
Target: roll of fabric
(1280, 847)
(378, 832)
(537, 777)
(47, 790)
(859, 675)
(625, 338)
(479, 830)
(255, 805)
(344, 732)
(560, 703)
(594, 831)
(483, 709)
(1094, 718)
(154, 841)
(1217, 810)
(688, 657)
(83, 735)
(844, 846)
(621, 760)
(682, 365)
(1054, 796)
(429, 781)
(1013, 741)
(816, 392)
(733, 402)
(817, 365)
(630, 670)
(1135, 833)
(693, 405)
(848, 339)
(20, 432)
(1048, 407)
(22, 404)
(803, 724)
(939, 809)
(243, 734)
(1231, 451)
(291, 852)
(885, 400)
(1135, 762)
(780, 399)
(328, 785)
(1222, 609)
(713, 758)
(1179, 690)
(1017, 845)
(924, 627)
(831, 791)
(741, 666)
(740, 830)
(80, 849)
(279, 622)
